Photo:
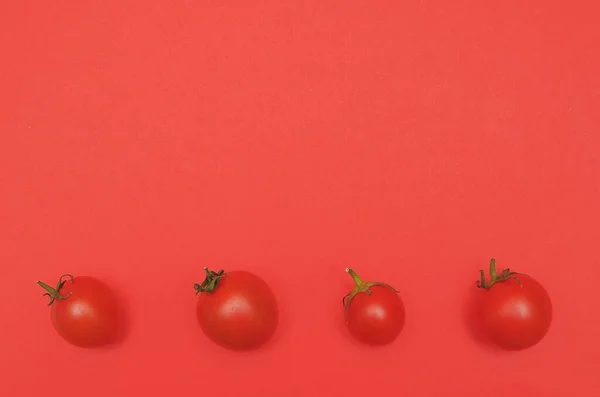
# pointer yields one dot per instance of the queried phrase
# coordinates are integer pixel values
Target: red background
(412, 141)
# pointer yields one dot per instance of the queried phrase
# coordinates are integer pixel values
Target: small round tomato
(513, 311)
(236, 310)
(374, 311)
(84, 311)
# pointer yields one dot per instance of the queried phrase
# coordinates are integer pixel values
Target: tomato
(373, 312)
(85, 312)
(514, 311)
(236, 310)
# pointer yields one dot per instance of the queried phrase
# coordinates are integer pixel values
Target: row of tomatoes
(238, 310)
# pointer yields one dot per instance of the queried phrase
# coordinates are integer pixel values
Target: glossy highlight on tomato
(513, 310)
(237, 310)
(85, 311)
(373, 311)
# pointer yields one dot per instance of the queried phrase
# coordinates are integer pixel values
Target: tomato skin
(88, 315)
(514, 316)
(376, 319)
(241, 313)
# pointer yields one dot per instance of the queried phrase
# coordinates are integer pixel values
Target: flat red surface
(412, 141)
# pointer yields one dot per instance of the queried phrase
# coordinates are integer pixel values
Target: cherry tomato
(374, 311)
(84, 311)
(236, 310)
(513, 311)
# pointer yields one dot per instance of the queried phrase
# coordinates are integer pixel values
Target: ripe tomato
(513, 311)
(84, 310)
(374, 311)
(236, 310)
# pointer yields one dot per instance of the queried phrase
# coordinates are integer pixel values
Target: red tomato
(85, 311)
(513, 311)
(374, 311)
(236, 310)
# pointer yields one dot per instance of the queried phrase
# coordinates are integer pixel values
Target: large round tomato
(84, 311)
(513, 311)
(236, 310)
(374, 311)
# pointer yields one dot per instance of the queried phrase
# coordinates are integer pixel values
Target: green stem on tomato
(210, 282)
(54, 293)
(361, 287)
(355, 277)
(493, 273)
(504, 275)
